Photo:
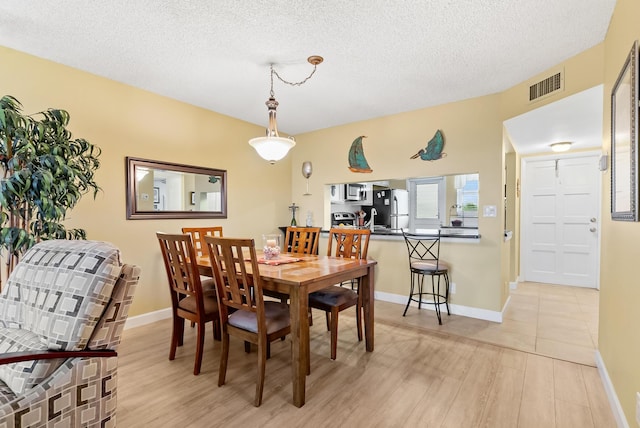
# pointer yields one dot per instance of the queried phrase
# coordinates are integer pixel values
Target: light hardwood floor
(551, 320)
(416, 377)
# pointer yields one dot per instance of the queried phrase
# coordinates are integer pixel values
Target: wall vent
(546, 87)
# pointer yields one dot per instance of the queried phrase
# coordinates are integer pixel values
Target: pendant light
(273, 147)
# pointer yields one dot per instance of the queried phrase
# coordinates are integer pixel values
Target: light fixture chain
(302, 82)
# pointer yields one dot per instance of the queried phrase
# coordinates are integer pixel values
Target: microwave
(354, 192)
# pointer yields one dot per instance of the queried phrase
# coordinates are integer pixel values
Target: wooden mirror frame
(133, 213)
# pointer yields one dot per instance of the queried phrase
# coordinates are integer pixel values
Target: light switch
(490, 211)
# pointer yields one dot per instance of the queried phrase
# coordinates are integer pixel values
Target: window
(426, 202)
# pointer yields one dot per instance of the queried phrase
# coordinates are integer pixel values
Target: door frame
(524, 228)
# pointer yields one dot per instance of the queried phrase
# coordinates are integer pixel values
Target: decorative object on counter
(309, 222)
(307, 169)
(271, 246)
(272, 147)
(357, 161)
(360, 217)
(433, 151)
(293, 207)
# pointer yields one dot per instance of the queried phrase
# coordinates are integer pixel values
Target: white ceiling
(577, 118)
(381, 56)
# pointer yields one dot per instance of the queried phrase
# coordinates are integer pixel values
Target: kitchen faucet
(373, 219)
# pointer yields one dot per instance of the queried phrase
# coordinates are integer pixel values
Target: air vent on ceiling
(546, 87)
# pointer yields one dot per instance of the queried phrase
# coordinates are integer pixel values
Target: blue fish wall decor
(433, 151)
(357, 161)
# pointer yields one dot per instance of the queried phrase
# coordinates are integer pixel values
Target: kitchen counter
(445, 232)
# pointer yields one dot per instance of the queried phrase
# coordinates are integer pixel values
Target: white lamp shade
(272, 149)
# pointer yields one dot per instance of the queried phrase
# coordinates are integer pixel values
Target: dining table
(297, 275)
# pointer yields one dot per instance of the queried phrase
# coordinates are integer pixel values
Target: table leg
(368, 304)
(300, 342)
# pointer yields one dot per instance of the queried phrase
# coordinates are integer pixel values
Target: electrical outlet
(638, 408)
(452, 287)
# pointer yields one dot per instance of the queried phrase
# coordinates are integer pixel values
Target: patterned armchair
(62, 313)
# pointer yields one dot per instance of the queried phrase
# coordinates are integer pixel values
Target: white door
(560, 220)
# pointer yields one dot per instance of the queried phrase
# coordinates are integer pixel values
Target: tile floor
(551, 320)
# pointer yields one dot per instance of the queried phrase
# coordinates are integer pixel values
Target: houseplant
(45, 173)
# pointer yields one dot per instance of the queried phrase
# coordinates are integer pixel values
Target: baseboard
(148, 318)
(616, 408)
(466, 311)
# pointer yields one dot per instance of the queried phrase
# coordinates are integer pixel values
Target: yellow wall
(473, 143)
(124, 121)
(619, 332)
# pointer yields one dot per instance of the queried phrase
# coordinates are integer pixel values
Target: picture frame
(156, 195)
(624, 141)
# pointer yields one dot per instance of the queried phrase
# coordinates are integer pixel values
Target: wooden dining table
(298, 279)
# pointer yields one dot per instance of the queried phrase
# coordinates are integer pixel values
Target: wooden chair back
(198, 234)
(180, 263)
(237, 289)
(303, 240)
(350, 243)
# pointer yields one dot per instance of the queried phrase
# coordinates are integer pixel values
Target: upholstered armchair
(62, 313)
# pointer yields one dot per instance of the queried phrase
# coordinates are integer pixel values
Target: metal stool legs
(438, 297)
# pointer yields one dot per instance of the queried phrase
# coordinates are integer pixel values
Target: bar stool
(424, 260)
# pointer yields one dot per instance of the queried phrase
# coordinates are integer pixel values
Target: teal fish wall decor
(357, 161)
(433, 151)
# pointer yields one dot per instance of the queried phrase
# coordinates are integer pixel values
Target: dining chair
(349, 243)
(424, 260)
(198, 234)
(188, 300)
(243, 311)
(197, 238)
(302, 240)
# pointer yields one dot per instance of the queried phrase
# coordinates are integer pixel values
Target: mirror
(162, 190)
(449, 201)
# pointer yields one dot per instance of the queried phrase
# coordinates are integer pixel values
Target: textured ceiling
(381, 56)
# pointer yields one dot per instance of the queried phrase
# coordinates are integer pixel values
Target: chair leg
(334, 332)
(446, 300)
(224, 357)
(180, 330)
(359, 318)
(175, 337)
(436, 296)
(199, 348)
(216, 330)
(262, 359)
(327, 315)
(410, 295)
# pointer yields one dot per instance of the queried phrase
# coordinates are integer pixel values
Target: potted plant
(45, 173)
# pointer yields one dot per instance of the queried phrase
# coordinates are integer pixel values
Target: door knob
(592, 229)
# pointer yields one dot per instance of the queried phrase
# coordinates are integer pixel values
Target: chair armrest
(16, 357)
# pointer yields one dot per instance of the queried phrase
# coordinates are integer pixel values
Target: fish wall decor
(357, 161)
(433, 151)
